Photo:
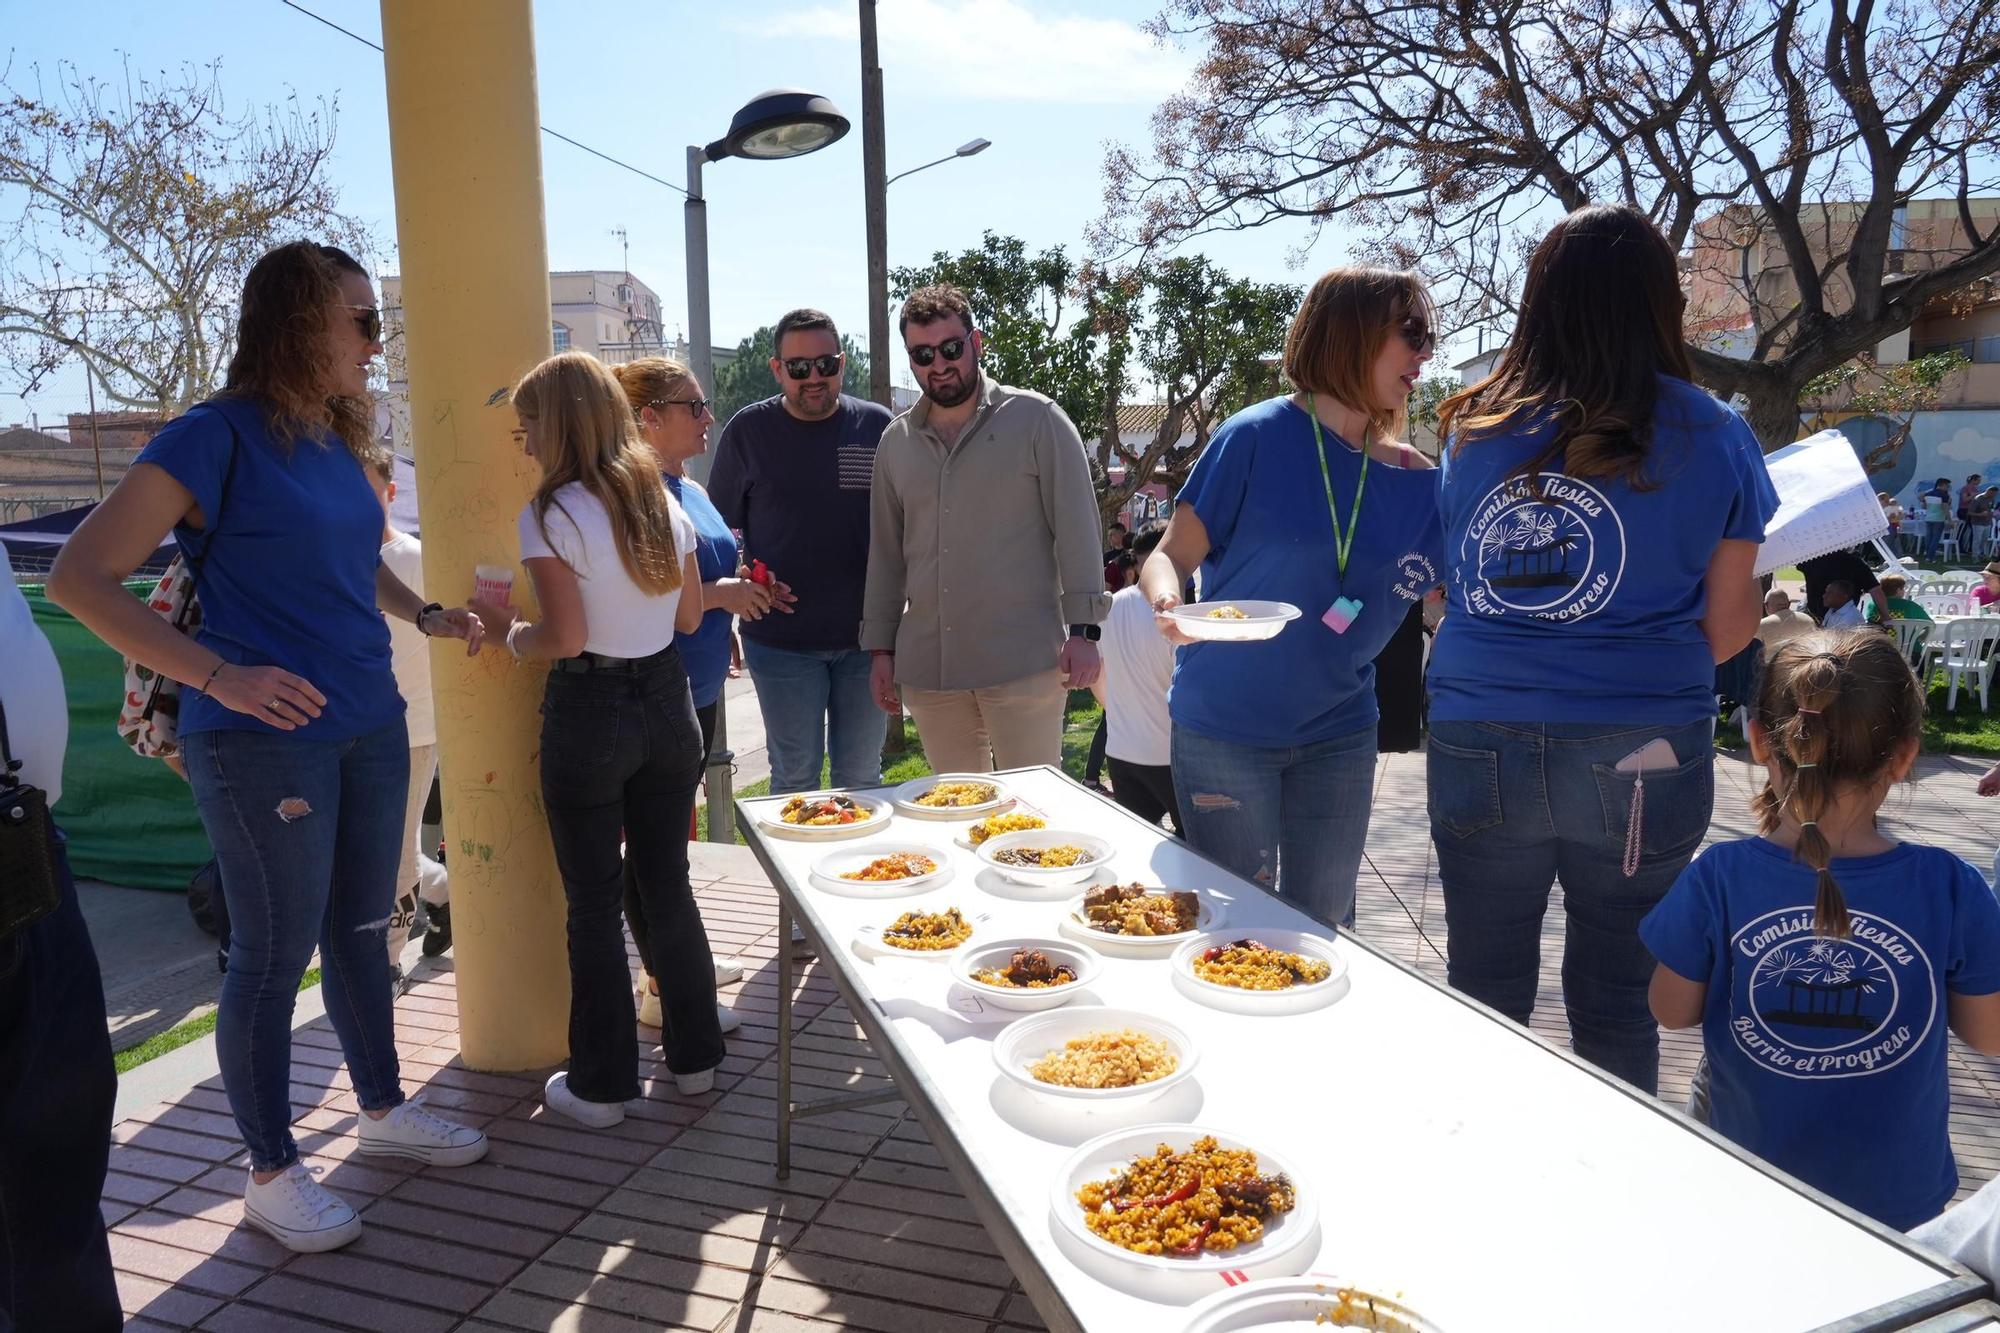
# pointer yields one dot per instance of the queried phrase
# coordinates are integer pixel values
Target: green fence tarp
(129, 820)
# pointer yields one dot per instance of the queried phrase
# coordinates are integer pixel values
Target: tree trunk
(1772, 409)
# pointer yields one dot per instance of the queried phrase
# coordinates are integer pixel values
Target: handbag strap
(10, 767)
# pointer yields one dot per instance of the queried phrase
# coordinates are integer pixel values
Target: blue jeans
(1294, 819)
(1516, 806)
(308, 836)
(56, 1093)
(817, 705)
(621, 749)
(1933, 540)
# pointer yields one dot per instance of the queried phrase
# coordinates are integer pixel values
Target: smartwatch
(1090, 632)
(428, 608)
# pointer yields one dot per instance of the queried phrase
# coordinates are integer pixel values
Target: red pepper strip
(1186, 1191)
(1193, 1247)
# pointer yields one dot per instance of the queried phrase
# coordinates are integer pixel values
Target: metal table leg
(785, 971)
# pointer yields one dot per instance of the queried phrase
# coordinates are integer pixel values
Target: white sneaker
(728, 1018)
(649, 1006)
(294, 1210)
(592, 1115)
(728, 970)
(411, 1131)
(693, 1085)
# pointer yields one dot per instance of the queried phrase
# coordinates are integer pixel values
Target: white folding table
(1497, 1184)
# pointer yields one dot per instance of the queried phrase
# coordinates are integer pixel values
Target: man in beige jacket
(985, 574)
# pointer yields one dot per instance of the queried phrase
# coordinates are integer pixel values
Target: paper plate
(996, 952)
(1297, 999)
(1261, 620)
(963, 837)
(1213, 914)
(827, 871)
(1308, 1303)
(868, 940)
(1027, 1040)
(1099, 849)
(878, 817)
(1289, 1245)
(905, 797)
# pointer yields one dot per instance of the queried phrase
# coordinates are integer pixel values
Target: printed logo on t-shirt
(1815, 1007)
(1415, 576)
(1559, 557)
(856, 465)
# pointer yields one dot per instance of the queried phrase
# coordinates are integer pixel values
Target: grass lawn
(1079, 725)
(1966, 731)
(176, 1037)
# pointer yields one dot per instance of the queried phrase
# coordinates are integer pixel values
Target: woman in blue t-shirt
(1601, 517)
(291, 728)
(1306, 499)
(1825, 961)
(673, 422)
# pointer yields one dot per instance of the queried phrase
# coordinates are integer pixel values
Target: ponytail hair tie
(1804, 766)
(1808, 823)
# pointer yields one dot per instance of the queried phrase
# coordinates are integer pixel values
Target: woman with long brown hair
(1307, 499)
(613, 563)
(1602, 515)
(291, 728)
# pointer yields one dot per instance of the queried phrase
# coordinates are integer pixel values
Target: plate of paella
(933, 934)
(1146, 1205)
(1260, 971)
(1233, 621)
(824, 815)
(1018, 820)
(882, 870)
(1026, 973)
(1309, 1302)
(1046, 858)
(952, 796)
(1140, 920)
(1089, 1055)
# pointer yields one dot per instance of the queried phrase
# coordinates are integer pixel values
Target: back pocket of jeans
(1676, 809)
(1464, 788)
(578, 735)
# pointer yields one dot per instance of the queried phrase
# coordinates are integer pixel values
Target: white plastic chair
(1911, 637)
(1942, 605)
(1969, 646)
(1948, 548)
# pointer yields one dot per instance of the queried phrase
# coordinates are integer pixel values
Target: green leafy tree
(747, 378)
(1897, 391)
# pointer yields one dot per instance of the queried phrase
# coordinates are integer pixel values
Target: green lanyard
(1342, 544)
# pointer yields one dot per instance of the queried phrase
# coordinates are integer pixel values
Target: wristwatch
(428, 608)
(1090, 632)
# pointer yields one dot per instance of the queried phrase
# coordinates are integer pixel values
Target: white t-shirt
(409, 657)
(1138, 668)
(31, 690)
(621, 618)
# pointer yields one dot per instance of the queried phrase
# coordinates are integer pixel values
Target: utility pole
(875, 190)
(90, 388)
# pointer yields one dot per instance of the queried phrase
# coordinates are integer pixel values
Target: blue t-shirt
(1586, 605)
(705, 653)
(1828, 1056)
(1259, 492)
(798, 491)
(289, 574)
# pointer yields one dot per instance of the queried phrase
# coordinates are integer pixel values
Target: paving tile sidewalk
(675, 1219)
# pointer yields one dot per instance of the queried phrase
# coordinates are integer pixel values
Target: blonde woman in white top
(612, 560)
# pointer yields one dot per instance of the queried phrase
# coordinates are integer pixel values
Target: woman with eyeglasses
(1307, 499)
(290, 725)
(673, 422)
(1602, 516)
(613, 559)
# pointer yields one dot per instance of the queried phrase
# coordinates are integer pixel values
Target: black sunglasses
(950, 349)
(695, 406)
(369, 320)
(798, 367)
(1417, 335)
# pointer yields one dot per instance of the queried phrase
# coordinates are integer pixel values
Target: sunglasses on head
(799, 367)
(1417, 335)
(695, 406)
(950, 349)
(368, 319)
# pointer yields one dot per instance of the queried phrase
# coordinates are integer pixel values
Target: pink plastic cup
(494, 584)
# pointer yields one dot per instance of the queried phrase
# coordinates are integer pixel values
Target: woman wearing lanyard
(673, 422)
(1305, 499)
(1602, 515)
(613, 562)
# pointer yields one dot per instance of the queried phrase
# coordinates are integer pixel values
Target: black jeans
(1147, 790)
(635, 907)
(621, 751)
(57, 1089)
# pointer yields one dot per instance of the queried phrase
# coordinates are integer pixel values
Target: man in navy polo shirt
(792, 474)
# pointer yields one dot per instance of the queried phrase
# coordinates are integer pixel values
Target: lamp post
(784, 122)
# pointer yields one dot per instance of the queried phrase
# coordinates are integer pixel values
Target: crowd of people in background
(1588, 533)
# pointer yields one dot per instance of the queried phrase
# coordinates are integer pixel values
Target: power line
(554, 134)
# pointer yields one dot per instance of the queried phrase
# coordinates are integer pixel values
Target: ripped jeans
(307, 836)
(1292, 819)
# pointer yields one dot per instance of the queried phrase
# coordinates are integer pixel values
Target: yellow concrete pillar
(474, 258)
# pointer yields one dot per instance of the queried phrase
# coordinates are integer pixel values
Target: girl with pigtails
(1823, 959)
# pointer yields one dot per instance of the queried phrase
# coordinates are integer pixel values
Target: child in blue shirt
(1825, 961)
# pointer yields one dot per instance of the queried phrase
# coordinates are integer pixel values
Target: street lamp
(973, 149)
(784, 122)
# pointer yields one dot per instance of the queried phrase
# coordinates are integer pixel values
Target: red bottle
(760, 573)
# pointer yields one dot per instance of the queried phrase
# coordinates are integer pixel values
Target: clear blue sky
(1050, 82)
